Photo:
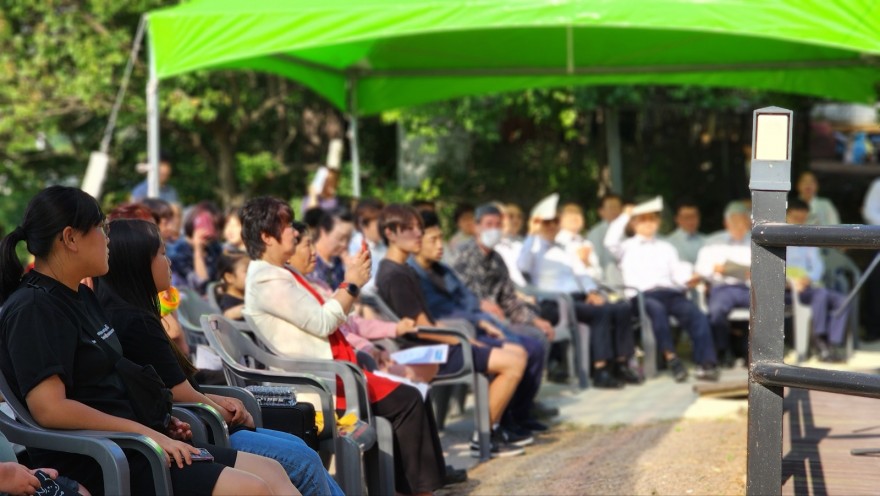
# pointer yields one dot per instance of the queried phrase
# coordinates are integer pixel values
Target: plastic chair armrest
(241, 394)
(211, 418)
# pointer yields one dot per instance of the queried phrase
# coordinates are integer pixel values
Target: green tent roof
(407, 52)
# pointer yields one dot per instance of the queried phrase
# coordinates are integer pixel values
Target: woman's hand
(180, 430)
(406, 325)
(238, 414)
(358, 271)
(179, 451)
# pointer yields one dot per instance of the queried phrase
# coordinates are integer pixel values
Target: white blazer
(286, 314)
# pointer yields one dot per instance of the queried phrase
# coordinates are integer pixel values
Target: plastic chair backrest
(7, 454)
(192, 307)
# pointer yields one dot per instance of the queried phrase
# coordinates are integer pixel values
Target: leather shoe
(454, 475)
(623, 372)
(708, 372)
(679, 373)
(603, 379)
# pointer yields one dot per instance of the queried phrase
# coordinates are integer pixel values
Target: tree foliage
(236, 134)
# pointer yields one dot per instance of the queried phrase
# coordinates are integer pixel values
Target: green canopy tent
(366, 56)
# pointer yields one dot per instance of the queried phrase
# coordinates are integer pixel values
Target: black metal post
(766, 341)
(770, 183)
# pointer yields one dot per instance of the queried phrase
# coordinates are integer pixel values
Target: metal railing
(768, 375)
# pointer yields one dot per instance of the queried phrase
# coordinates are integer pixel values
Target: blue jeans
(300, 462)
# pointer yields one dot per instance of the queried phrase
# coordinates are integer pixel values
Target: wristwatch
(352, 288)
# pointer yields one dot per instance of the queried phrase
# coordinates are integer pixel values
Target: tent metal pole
(152, 126)
(353, 136)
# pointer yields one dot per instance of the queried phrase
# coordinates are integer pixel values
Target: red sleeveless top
(377, 387)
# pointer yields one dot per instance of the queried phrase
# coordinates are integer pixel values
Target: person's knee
(233, 481)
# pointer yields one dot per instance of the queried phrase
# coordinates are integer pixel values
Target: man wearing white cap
(652, 266)
(552, 268)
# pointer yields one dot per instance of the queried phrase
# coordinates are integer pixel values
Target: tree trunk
(226, 168)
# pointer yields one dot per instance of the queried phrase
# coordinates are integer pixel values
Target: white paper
(421, 386)
(207, 359)
(422, 355)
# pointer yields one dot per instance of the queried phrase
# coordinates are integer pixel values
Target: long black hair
(133, 245)
(46, 216)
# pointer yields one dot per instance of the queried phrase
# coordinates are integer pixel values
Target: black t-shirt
(398, 285)
(226, 301)
(43, 331)
(143, 338)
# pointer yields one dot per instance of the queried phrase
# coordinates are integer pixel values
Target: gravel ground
(687, 457)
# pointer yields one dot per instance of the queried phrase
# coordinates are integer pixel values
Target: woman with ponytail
(68, 380)
(139, 270)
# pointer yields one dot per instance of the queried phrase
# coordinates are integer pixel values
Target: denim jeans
(300, 462)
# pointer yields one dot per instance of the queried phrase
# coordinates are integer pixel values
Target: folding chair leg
(582, 356)
(481, 412)
(440, 398)
(349, 473)
(649, 342)
(379, 461)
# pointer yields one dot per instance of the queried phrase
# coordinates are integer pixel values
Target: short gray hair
(736, 207)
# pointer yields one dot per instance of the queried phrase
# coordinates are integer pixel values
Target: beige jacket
(286, 314)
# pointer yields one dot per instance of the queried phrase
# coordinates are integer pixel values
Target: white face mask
(490, 238)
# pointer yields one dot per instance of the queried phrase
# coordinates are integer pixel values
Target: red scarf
(377, 387)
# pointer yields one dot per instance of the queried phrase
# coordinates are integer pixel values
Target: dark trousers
(722, 300)
(660, 304)
(418, 455)
(871, 309)
(524, 397)
(824, 303)
(611, 333)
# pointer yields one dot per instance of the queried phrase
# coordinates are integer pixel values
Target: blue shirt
(331, 273)
(166, 192)
(183, 274)
(444, 292)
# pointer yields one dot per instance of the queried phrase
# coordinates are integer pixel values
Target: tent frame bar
(571, 70)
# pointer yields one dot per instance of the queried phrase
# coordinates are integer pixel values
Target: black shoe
(623, 372)
(708, 372)
(534, 426)
(516, 429)
(834, 354)
(497, 448)
(603, 379)
(454, 475)
(542, 411)
(516, 437)
(679, 373)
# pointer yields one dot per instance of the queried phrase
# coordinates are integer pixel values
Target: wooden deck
(819, 430)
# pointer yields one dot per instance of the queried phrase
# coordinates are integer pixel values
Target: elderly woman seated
(288, 312)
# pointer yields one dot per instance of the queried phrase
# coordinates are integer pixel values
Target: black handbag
(150, 399)
(281, 412)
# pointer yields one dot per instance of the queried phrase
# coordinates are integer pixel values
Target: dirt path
(688, 457)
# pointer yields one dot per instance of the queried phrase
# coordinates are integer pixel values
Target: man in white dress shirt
(686, 238)
(725, 265)
(570, 237)
(652, 266)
